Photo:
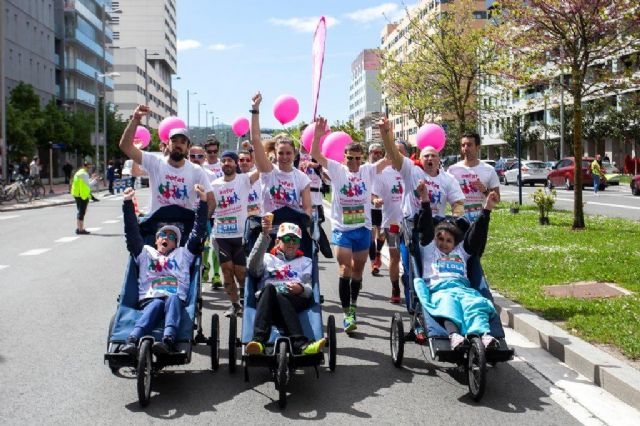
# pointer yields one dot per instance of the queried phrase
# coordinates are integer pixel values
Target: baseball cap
(173, 229)
(178, 132)
(288, 228)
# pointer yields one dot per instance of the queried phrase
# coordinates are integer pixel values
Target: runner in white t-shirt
(351, 185)
(231, 193)
(376, 153)
(282, 184)
(171, 181)
(476, 178)
(212, 147)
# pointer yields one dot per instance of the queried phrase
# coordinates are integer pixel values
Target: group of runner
(380, 195)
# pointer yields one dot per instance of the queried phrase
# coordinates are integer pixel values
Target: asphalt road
(615, 201)
(58, 292)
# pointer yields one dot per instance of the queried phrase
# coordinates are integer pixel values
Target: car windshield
(536, 165)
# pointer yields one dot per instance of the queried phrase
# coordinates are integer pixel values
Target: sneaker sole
(350, 328)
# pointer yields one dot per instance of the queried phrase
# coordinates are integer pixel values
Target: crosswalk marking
(35, 252)
(9, 217)
(66, 239)
(3, 267)
(93, 229)
(111, 221)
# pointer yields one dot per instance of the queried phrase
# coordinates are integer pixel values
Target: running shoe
(234, 310)
(254, 348)
(349, 322)
(395, 295)
(216, 282)
(489, 341)
(315, 347)
(456, 340)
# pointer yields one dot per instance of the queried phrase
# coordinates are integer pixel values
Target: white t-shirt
(231, 206)
(281, 189)
(438, 267)
(164, 275)
(316, 181)
(170, 185)
(254, 201)
(442, 189)
(474, 199)
(279, 272)
(215, 168)
(389, 186)
(351, 195)
(375, 191)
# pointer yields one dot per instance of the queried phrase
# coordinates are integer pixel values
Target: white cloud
(188, 44)
(303, 25)
(222, 46)
(373, 13)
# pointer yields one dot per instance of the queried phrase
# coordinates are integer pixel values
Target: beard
(228, 171)
(177, 156)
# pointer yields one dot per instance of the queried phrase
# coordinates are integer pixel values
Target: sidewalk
(59, 197)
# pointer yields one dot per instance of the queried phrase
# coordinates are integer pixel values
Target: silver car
(532, 172)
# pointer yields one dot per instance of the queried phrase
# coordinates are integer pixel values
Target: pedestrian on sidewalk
(111, 176)
(67, 169)
(81, 191)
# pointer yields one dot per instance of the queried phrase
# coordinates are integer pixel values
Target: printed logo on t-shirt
(253, 208)
(354, 188)
(281, 194)
(173, 189)
(451, 264)
(228, 200)
(397, 188)
(162, 263)
(284, 272)
(167, 284)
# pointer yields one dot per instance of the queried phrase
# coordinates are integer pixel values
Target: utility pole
(3, 135)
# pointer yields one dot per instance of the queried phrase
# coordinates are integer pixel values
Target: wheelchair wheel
(144, 373)
(282, 375)
(233, 331)
(331, 332)
(396, 340)
(476, 368)
(214, 342)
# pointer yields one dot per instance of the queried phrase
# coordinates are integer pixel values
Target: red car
(635, 185)
(562, 174)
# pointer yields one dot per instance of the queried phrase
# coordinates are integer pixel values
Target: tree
(54, 127)
(577, 39)
(349, 128)
(23, 120)
(528, 136)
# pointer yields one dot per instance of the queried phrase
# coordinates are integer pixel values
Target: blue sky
(227, 50)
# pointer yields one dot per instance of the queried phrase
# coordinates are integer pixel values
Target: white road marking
(586, 199)
(66, 239)
(3, 267)
(9, 217)
(93, 229)
(111, 221)
(35, 252)
(121, 216)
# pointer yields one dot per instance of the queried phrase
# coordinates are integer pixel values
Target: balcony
(88, 15)
(86, 97)
(85, 68)
(88, 43)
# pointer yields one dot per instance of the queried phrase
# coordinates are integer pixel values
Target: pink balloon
(335, 144)
(240, 127)
(142, 137)
(285, 109)
(431, 135)
(167, 125)
(307, 136)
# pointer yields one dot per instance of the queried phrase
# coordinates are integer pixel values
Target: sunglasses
(198, 156)
(170, 235)
(244, 160)
(212, 151)
(352, 158)
(290, 239)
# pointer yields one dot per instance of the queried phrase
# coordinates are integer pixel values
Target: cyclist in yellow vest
(81, 191)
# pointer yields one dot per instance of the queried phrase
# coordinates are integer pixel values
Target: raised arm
(132, 233)
(321, 124)
(199, 231)
(255, 262)
(386, 132)
(262, 162)
(476, 238)
(126, 141)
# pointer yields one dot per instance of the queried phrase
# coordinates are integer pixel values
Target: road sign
(57, 145)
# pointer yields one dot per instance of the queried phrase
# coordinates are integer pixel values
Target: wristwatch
(254, 111)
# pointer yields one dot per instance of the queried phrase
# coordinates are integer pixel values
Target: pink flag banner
(317, 52)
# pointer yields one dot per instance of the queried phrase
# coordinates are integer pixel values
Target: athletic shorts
(355, 239)
(230, 250)
(376, 217)
(392, 238)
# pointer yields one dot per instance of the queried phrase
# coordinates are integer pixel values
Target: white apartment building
(395, 39)
(145, 55)
(364, 90)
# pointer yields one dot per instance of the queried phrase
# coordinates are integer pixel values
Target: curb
(56, 200)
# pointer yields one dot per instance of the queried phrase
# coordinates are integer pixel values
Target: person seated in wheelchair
(450, 300)
(163, 277)
(284, 288)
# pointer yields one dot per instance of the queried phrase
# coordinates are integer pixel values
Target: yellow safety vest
(79, 188)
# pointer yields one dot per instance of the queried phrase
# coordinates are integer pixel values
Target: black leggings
(82, 207)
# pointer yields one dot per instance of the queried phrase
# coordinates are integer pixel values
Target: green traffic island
(599, 267)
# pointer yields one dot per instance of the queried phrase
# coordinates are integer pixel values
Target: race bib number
(166, 284)
(353, 215)
(227, 225)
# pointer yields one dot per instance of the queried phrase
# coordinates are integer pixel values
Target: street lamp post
(200, 127)
(188, 106)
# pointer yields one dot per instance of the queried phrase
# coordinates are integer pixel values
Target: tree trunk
(578, 212)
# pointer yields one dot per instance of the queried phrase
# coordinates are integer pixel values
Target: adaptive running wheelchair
(278, 354)
(146, 364)
(471, 356)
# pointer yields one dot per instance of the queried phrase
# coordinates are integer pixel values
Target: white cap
(179, 131)
(289, 229)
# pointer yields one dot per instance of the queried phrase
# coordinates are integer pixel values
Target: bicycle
(18, 190)
(35, 186)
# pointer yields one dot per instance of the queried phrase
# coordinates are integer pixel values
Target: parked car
(635, 185)
(502, 165)
(611, 172)
(549, 164)
(562, 174)
(492, 163)
(532, 172)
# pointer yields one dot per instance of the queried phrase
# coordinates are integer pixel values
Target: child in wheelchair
(444, 289)
(163, 279)
(284, 288)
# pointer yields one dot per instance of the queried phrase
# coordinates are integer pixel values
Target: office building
(364, 90)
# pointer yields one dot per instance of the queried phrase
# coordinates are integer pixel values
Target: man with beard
(172, 181)
(231, 194)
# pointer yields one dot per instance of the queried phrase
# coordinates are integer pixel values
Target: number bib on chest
(353, 215)
(227, 225)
